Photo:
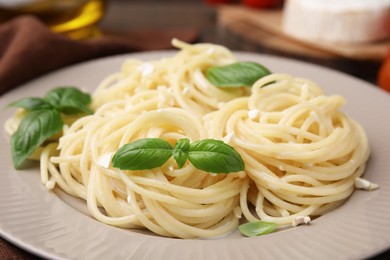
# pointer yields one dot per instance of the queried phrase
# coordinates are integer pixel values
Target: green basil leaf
(147, 153)
(215, 156)
(34, 129)
(31, 104)
(69, 100)
(258, 228)
(180, 153)
(239, 74)
(182, 144)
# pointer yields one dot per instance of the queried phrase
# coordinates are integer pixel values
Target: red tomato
(388, 27)
(262, 3)
(384, 75)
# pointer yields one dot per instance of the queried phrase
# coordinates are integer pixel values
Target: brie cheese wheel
(338, 21)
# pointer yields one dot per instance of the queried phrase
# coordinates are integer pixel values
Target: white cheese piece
(342, 21)
(105, 160)
(227, 138)
(301, 220)
(364, 184)
(210, 50)
(146, 68)
(252, 114)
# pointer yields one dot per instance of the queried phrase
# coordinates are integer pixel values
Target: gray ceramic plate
(57, 226)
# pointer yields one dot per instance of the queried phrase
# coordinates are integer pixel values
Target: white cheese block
(338, 21)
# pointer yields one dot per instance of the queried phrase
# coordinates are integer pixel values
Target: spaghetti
(302, 154)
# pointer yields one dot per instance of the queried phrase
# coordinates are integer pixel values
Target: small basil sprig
(258, 228)
(239, 74)
(208, 155)
(33, 130)
(43, 119)
(69, 100)
(180, 151)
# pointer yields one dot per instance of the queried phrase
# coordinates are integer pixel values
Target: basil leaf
(147, 153)
(180, 151)
(33, 130)
(182, 144)
(208, 155)
(31, 104)
(215, 156)
(69, 100)
(239, 74)
(258, 228)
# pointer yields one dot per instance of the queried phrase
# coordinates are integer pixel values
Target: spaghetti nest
(301, 153)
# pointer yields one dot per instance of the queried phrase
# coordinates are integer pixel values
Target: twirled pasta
(301, 153)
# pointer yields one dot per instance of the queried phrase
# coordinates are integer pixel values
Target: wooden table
(210, 23)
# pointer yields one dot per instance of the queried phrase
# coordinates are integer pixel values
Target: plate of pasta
(196, 153)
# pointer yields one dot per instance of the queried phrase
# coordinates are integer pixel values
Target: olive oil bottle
(75, 18)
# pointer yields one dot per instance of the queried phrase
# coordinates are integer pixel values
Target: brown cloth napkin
(29, 49)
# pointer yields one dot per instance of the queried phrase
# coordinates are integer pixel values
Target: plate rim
(240, 54)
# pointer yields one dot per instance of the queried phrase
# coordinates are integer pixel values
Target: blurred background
(246, 25)
(241, 25)
(354, 44)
